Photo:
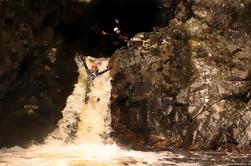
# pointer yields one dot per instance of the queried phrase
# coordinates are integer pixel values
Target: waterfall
(86, 122)
(79, 138)
(95, 117)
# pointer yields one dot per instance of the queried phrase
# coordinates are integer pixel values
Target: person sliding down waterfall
(92, 73)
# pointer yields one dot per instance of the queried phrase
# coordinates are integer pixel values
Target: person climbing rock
(92, 73)
(120, 39)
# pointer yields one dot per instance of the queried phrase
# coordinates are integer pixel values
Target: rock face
(38, 43)
(183, 85)
(189, 84)
(34, 85)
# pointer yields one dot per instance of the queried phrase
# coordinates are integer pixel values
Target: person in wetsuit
(92, 73)
(120, 39)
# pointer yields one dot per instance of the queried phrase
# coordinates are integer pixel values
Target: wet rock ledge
(33, 86)
(184, 81)
(38, 42)
(187, 85)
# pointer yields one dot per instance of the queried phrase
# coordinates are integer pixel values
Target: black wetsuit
(91, 76)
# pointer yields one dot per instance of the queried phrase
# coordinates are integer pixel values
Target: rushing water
(82, 137)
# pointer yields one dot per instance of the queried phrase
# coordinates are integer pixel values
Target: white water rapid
(86, 122)
(82, 136)
(79, 138)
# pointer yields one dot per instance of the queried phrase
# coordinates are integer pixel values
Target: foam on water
(81, 133)
(79, 138)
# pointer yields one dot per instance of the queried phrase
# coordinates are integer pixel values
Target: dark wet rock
(187, 85)
(38, 42)
(34, 85)
(184, 85)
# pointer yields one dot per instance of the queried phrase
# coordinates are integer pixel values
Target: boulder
(187, 85)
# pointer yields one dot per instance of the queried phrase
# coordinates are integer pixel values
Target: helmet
(116, 30)
(94, 66)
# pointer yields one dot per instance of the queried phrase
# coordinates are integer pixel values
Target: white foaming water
(81, 133)
(79, 138)
(94, 115)
(95, 120)
(79, 155)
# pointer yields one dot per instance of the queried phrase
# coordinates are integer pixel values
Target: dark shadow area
(80, 25)
(33, 88)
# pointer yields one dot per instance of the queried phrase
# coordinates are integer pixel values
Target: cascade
(82, 136)
(86, 122)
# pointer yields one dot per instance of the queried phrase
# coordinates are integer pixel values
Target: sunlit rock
(188, 83)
